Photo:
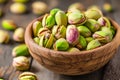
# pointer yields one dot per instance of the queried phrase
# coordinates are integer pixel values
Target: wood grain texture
(110, 72)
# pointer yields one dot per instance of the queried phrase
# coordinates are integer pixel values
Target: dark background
(110, 71)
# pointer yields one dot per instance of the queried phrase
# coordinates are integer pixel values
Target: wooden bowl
(72, 64)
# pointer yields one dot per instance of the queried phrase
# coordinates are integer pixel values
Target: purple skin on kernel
(72, 34)
(102, 22)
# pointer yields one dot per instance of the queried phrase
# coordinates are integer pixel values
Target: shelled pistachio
(73, 50)
(18, 35)
(20, 50)
(39, 7)
(61, 45)
(107, 7)
(18, 8)
(37, 39)
(93, 44)
(9, 24)
(4, 36)
(104, 21)
(88, 39)
(27, 76)
(21, 63)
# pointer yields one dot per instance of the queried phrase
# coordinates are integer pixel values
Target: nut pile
(73, 30)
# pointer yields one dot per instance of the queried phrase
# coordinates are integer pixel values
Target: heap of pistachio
(73, 30)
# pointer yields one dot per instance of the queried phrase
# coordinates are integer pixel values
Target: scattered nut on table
(27, 76)
(9, 24)
(20, 50)
(4, 36)
(39, 7)
(21, 63)
(18, 8)
(18, 35)
(107, 7)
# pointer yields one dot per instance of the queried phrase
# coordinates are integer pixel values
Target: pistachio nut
(72, 35)
(39, 7)
(92, 24)
(107, 7)
(103, 36)
(88, 39)
(76, 18)
(93, 14)
(103, 21)
(21, 1)
(61, 18)
(82, 43)
(73, 50)
(43, 31)
(18, 8)
(47, 40)
(27, 76)
(111, 28)
(21, 63)
(2, 1)
(84, 31)
(20, 50)
(9, 24)
(54, 11)
(4, 36)
(48, 21)
(18, 35)
(93, 44)
(59, 31)
(37, 39)
(61, 45)
(36, 26)
(76, 5)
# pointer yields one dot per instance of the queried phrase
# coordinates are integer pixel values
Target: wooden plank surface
(109, 72)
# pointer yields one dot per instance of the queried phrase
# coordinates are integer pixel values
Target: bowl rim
(28, 33)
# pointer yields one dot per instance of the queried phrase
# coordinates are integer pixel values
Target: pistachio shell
(76, 5)
(54, 11)
(72, 34)
(82, 43)
(43, 31)
(4, 36)
(39, 7)
(107, 7)
(61, 45)
(21, 1)
(93, 14)
(103, 36)
(92, 24)
(61, 18)
(93, 44)
(73, 50)
(20, 50)
(59, 31)
(27, 76)
(48, 21)
(76, 18)
(21, 63)
(18, 8)
(84, 31)
(36, 26)
(18, 35)
(9, 25)
(104, 21)
(88, 39)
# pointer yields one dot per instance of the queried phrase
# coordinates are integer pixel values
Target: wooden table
(109, 72)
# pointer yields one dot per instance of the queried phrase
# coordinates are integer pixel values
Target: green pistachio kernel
(84, 31)
(61, 45)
